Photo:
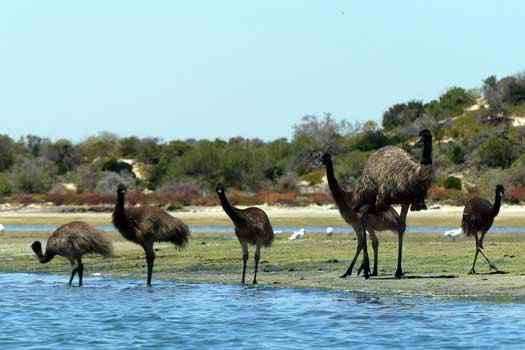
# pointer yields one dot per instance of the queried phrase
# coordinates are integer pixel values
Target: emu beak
(419, 141)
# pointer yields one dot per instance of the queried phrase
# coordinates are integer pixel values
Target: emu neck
(337, 192)
(43, 258)
(426, 158)
(230, 211)
(120, 203)
(497, 205)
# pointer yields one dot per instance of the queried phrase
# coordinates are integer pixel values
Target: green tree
(7, 152)
(402, 114)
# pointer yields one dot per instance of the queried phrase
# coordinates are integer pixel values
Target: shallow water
(40, 311)
(277, 229)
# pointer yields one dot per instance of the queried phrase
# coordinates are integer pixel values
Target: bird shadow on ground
(491, 273)
(410, 277)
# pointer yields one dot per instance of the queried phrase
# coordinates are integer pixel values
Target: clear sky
(206, 69)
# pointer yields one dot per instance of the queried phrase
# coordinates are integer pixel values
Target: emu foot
(399, 274)
(345, 275)
(365, 267)
(472, 272)
(361, 268)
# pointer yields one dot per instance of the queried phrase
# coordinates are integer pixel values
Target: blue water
(41, 312)
(277, 229)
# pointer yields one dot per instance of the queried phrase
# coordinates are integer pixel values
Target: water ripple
(40, 312)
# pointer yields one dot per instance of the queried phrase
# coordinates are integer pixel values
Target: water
(277, 229)
(40, 311)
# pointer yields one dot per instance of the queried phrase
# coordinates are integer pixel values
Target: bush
(516, 195)
(6, 187)
(33, 175)
(496, 152)
(109, 181)
(183, 192)
(440, 194)
(456, 154)
(452, 183)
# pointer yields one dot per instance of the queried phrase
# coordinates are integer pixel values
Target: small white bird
(297, 235)
(2, 228)
(329, 230)
(453, 233)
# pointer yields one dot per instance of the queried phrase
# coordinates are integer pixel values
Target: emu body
(478, 217)
(388, 220)
(147, 225)
(252, 227)
(72, 241)
(391, 176)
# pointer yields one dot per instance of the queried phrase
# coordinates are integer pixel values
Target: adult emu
(147, 225)
(478, 217)
(72, 241)
(384, 221)
(391, 176)
(252, 226)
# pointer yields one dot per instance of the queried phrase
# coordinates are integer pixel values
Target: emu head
(500, 190)
(219, 189)
(326, 159)
(425, 137)
(36, 247)
(122, 189)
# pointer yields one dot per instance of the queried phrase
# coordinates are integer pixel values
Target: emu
(72, 241)
(147, 225)
(383, 221)
(252, 226)
(391, 176)
(478, 217)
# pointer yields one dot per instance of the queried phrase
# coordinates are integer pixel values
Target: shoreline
(434, 266)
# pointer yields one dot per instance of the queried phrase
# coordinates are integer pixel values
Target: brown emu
(252, 226)
(391, 176)
(72, 241)
(383, 221)
(147, 225)
(478, 217)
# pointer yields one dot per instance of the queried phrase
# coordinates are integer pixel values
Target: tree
(401, 114)
(64, 154)
(33, 175)
(7, 152)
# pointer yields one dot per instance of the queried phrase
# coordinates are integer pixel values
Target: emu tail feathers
(180, 235)
(98, 244)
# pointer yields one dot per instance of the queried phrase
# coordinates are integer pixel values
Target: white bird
(329, 230)
(2, 228)
(453, 233)
(297, 235)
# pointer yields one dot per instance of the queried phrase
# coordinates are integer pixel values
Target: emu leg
(364, 222)
(403, 218)
(375, 248)
(480, 248)
(399, 270)
(357, 252)
(257, 257)
(73, 272)
(244, 260)
(150, 261)
(473, 270)
(80, 272)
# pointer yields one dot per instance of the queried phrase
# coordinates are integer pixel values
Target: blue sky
(206, 69)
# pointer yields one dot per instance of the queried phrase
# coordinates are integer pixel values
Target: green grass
(433, 265)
